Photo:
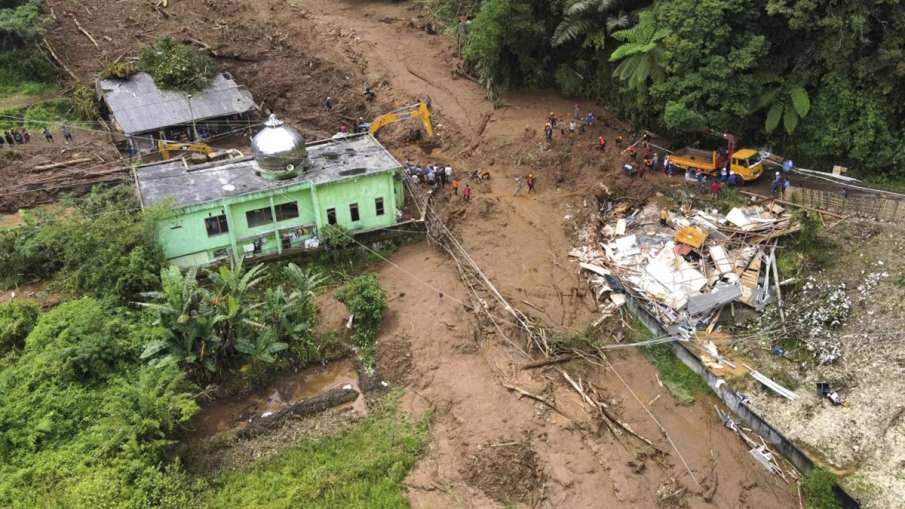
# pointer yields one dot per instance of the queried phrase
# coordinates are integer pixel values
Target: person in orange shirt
(455, 185)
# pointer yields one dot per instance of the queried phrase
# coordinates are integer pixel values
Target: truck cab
(747, 164)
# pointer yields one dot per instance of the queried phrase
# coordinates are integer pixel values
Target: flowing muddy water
(233, 414)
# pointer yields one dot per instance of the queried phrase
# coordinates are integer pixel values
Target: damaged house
(684, 268)
(144, 113)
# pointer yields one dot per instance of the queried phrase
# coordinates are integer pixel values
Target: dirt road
(489, 448)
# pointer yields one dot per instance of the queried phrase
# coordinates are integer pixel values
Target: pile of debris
(685, 266)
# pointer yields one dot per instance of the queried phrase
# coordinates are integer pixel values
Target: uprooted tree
(176, 67)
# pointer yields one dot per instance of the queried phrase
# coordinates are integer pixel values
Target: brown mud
(235, 414)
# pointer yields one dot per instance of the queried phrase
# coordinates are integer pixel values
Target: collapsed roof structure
(685, 268)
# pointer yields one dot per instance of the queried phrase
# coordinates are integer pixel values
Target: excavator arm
(415, 112)
(212, 154)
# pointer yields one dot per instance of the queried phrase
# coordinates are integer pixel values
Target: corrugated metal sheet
(139, 106)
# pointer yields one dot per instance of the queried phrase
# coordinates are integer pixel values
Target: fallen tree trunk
(547, 362)
(44, 167)
(315, 405)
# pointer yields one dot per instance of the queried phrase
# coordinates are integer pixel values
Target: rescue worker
(530, 181)
(715, 187)
(455, 185)
(601, 144)
(466, 193)
(777, 184)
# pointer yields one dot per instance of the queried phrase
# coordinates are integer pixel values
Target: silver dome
(279, 149)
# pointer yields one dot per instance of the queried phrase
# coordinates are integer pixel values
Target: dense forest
(817, 80)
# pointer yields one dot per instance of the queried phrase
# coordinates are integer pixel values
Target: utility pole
(192, 114)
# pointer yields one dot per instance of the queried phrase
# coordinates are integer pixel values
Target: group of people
(13, 137)
(578, 124)
(437, 176)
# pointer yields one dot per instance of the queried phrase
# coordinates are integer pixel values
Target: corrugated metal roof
(139, 106)
(330, 161)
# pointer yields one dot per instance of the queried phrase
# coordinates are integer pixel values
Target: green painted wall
(362, 191)
(186, 242)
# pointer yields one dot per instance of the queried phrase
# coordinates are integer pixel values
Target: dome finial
(279, 150)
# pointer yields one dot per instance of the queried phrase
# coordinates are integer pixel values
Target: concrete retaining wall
(743, 412)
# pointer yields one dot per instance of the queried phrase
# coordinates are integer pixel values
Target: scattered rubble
(685, 266)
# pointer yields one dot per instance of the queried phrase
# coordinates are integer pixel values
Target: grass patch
(818, 487)
(363, 466)
(683, 383)
(28, 88)
(52, 113)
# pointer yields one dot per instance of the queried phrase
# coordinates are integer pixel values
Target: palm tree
(787, 102)
(593, 20)
(641, 56)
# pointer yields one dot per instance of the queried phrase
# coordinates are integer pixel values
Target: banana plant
(185, 318)
(260, 349)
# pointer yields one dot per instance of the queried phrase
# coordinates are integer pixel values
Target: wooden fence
(876, 207)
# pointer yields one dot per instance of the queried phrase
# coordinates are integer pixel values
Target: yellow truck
(746, 162)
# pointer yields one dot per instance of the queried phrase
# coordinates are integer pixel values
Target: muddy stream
(236, 413)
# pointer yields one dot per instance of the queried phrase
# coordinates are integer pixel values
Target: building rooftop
(139, 106)
(330, 160)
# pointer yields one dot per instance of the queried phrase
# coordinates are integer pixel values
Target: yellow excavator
(201, 152)
(416, 111)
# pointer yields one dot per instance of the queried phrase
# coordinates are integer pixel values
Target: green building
(274, 202)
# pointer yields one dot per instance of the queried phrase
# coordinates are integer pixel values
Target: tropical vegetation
(817, 81)
(95, 392)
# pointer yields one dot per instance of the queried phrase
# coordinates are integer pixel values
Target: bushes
(176, 67)
(83, 423)
(17, 319)
(106, 247)
(366, 301)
